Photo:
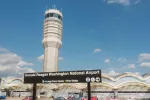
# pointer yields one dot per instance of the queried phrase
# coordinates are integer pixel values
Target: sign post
(81, 76)
(34, 91)
(89, 90)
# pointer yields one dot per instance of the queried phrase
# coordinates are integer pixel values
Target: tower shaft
(50, 59)
(52, 39)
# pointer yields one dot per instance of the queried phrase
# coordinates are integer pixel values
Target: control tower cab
(52, 37)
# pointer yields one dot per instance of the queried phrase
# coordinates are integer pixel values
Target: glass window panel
(56, 15)
(59, 17)
(47, 15)
(51, 14)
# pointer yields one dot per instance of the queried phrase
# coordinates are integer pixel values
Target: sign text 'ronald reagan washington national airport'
(63, 77)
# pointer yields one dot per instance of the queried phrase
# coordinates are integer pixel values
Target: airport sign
(81, 76)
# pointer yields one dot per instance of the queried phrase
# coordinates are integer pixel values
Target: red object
(108, 99)
(70, 98)
(94, 98)
(84, 98)
(27, 98)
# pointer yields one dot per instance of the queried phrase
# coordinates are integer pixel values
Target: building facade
(130, 83)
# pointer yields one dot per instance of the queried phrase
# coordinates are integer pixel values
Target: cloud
(97, 50)
(41, 58)
(124, 2)
(131, 66)
(13, 65)
(113, 73)
(145, 64)
(3, 50)
(122, 59)
(137, 73)
(107, 60)
(137, 1)
(23, 63)
(144, 57)
(60, 58)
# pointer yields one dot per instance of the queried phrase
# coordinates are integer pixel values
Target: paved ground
(17, 98)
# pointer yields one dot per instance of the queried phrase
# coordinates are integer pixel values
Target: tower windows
(59, 17)
(56, 15)
(53, 15)
(47, 15)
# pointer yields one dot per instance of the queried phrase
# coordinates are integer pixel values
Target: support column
(89, 90)
(34, 91)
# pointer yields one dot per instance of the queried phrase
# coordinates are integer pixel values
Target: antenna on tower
(54, 6)
(46, 7)
(61, 10)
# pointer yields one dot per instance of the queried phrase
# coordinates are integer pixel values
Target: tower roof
(53, 11)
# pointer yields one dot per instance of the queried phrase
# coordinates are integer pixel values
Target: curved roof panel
(117, 81)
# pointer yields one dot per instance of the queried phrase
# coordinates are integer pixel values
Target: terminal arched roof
(114, 82)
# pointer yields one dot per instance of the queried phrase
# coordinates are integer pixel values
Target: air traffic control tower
(52, 37)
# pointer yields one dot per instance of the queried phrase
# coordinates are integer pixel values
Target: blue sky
(118, 32)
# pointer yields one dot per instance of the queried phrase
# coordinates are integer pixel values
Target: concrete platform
(20, 98)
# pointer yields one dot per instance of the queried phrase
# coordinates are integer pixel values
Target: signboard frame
(80, 76)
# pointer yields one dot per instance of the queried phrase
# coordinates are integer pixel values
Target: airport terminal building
(124, 85)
